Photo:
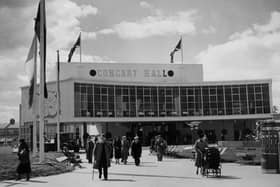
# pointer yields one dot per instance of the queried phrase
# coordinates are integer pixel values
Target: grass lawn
(9, 162)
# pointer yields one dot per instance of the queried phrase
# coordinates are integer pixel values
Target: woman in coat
(160, 145)
(125, 149)
(90, 146)
(200, 149)
(117, 149)
(136, 150)
(102, 155)
(24, 166)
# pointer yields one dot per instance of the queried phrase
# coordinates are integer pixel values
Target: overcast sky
(233, 39)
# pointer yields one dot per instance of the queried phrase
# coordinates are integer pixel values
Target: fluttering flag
(41, 17)
(58, 83)
(31, 63)
(177, 48)
(77, 43)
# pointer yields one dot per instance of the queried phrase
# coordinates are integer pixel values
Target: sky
(233, 39)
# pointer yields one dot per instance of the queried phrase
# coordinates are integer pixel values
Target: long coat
(24, 160)
(99, 156)
(125, 149)
(90, 146)
(200, 148)
(161, 146)
(117, 148)
(136, 149)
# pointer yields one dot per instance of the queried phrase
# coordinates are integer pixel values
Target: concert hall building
(147, 99)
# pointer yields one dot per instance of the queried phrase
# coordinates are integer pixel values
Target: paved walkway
(169, 173)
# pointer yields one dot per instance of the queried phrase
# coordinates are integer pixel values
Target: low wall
(5, 150)
(230, 151)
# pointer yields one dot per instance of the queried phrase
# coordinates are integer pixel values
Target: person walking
(90, 146)
(117, 149)
(160, 145)
(200, 146)
(136, 150)
(102, 155)
(152, 145)
(24, 166)
(125, 149)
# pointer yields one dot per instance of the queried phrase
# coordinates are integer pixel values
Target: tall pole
(42, 82)
(182, 52)
(20, 121)
(80, 47)
(58, 104)
(34, 106)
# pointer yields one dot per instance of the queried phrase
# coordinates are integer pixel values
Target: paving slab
(171, 172)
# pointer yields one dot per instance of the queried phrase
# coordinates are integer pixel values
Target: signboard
(156, 73)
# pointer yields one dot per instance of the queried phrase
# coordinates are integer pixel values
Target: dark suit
(90, 147)
(136, 151)
(24, 161)
(102, 155)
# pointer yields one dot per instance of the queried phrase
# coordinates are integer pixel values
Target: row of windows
(95, 100)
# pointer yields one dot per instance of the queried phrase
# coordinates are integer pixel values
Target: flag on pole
(37, 29)
(58, 83)
(58, 104)
(77, 43)
(177, 48)
(31, 63)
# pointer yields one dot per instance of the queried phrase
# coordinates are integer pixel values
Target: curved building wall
(117, 101)
(128, 97)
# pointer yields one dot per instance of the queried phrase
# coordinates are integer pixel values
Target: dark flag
(177, 48)
(31, 62)
(77, 43)
(58, 83)
(38, 20)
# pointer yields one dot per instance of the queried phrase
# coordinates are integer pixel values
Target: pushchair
(72, 157)
(212, 163)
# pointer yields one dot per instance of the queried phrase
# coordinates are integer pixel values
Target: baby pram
(212, 163)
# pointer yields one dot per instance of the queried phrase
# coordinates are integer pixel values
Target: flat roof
(203, 83)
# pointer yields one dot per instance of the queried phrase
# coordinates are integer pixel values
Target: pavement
(170, 172)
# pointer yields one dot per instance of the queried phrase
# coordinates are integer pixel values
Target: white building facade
(147, 99)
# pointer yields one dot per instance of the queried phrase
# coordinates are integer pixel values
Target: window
(98, 100)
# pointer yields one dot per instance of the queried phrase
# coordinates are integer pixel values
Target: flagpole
(182, 57)
(58, 104)
(20, 121)
(42, 83)
(34, 105)
(80, 47)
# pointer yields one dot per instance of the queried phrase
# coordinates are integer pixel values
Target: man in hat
(136, 150)
(24, 166)
(102, 155)
(125, 149)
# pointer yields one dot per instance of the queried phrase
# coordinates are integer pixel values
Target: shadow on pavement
(122, 180)
(15, 183)
(10, 183)
(37, 181)
(159, 176)
(141, 175)
(151, 166)
(168, 160)
(224, 177)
